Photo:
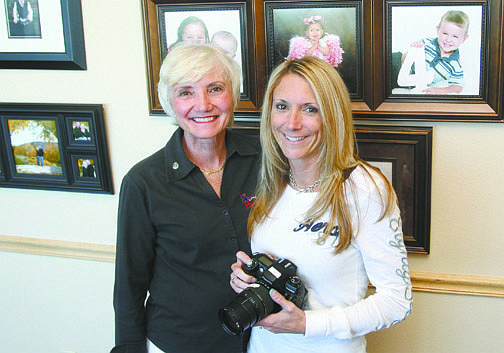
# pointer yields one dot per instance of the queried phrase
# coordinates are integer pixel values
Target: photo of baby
(317, 43)
(328, 31)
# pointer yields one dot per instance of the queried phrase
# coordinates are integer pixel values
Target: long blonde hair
(336, 150)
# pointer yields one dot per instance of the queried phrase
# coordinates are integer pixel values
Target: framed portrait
(79, 131)
(330, 30)
(445, 43)
(168, 24)
(442, 67)
(404, 155)
(38, 34)
(40, 150)
(23, 18)
(367, 42)
(86, 168)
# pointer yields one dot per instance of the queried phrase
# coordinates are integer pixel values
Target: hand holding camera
(255, 303)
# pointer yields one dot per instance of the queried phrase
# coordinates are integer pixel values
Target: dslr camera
(254, 303)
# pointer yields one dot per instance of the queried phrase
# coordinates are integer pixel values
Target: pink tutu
(300, 45)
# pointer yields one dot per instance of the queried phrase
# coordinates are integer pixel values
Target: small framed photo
(221, 23)
(40, 150)
(86, 169)
(80, 131)
(40, 34)
(330, 30)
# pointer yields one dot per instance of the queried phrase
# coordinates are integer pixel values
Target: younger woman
(329, 212)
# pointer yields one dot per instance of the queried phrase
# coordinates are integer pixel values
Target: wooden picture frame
(163, 21)
(479, 101)
(370, 63)
(51, 38)
(287, 25)
(404, 154)
(54, 147)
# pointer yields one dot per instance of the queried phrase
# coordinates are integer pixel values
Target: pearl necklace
(309, 188)
(213, 171)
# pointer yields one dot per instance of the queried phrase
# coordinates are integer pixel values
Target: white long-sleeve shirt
(337, 313)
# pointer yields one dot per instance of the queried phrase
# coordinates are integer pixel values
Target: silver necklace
(309, 188)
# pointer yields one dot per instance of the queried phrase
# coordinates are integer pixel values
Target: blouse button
(225, 213)
(175, 165)
(232, 238)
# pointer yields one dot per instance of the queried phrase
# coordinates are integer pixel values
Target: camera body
(254, 303)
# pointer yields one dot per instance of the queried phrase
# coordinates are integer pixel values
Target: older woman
(330, 213)
(183, 213)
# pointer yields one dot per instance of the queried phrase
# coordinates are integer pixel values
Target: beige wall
(55, 301)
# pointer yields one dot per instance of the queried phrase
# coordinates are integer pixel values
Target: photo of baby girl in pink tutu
(328, 30)
(317, 42)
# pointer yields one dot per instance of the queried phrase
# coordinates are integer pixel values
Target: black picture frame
(38, 149)
(161, 23)
(60, 48)
(408, 152)
(286, 24)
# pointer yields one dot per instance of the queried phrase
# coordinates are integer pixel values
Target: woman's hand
(239, 279)
(290, 319)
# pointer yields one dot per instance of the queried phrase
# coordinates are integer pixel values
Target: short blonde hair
(460, 18)
(190, 63)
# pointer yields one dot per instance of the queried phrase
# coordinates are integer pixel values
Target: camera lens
(249, 307)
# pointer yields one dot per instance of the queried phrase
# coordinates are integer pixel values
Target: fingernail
(271, 291)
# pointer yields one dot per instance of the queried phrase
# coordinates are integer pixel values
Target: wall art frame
(408, 153)
(287, 25)
(404, 154)
(57, 43)
(369, 60)
(482, 60)
(163, 24)
(54, 147)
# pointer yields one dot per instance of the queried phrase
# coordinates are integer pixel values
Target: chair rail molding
(422, 281)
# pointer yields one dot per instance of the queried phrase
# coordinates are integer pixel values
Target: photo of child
(317, 43)
(329, 31)
(435, 64)
(191, 30)
(23, 18)
(227, 41)
(220, 27)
